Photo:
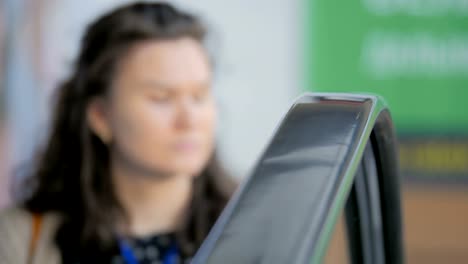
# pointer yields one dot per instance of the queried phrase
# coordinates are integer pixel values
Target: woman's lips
(186, 146)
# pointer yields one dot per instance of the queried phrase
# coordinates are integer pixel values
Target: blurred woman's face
(160, 113)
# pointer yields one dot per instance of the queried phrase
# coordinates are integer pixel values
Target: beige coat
(15, 238)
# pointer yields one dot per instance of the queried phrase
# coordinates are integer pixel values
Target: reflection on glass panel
(338, 249)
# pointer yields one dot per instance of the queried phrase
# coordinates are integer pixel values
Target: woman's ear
(98, 119)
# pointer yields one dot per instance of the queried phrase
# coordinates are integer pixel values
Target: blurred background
(414, 53)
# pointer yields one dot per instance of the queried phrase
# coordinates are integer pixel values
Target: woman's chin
(188, 168)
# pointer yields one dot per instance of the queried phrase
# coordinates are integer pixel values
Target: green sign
(412, 52)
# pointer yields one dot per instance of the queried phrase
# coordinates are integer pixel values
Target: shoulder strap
(35, 232)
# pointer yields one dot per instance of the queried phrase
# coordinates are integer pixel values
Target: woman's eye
(159, 98)
(201, 96)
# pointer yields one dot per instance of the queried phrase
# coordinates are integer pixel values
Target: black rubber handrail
(286, 210)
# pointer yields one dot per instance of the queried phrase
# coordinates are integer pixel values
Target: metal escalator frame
(379, 135)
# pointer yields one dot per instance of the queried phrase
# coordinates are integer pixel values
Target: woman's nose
(187, 113)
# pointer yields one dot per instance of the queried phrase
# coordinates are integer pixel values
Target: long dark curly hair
(72, 175)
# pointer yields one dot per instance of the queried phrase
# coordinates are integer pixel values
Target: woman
(129, 173)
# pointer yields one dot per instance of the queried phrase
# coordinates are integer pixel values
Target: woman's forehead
(168, 62)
